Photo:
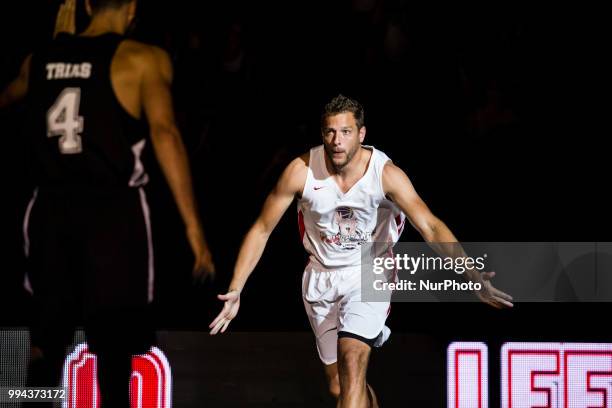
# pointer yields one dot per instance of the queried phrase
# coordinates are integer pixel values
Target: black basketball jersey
(82, 137)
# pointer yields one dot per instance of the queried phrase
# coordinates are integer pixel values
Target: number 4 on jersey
(63, 120)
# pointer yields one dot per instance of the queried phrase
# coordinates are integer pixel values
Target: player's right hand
(203, 267)
(65, 22)
(230, 310)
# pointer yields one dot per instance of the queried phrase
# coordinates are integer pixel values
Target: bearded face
(342, 139)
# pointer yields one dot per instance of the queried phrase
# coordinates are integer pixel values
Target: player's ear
(88, 7)
(362, 133)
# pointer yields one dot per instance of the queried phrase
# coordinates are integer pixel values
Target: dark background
(492, 112)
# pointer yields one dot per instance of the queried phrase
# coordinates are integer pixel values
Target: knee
(352, 365)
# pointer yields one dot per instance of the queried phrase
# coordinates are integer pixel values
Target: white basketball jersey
(334, 225)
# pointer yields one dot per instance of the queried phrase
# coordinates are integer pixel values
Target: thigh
(358, 319)
(322, 311)
(362, 319)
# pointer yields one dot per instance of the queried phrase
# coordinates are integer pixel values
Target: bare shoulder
(391, 171)
(394, 178)
(140, 50)
(298, 166)
(145, 56)
(294, 176)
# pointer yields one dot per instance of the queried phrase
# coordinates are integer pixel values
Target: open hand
(491, 295)
(230, 310)
(65, 22)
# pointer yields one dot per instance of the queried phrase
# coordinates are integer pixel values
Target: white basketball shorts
(332, 299)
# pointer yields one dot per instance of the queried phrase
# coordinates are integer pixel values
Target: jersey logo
(318, 188)
(349, 235)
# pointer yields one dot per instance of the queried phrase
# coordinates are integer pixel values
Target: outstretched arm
(170, 151)
(399, 189)
(290, 184)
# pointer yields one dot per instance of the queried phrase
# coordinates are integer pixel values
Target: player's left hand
(230, 309)
(491, 295)
(65, 22)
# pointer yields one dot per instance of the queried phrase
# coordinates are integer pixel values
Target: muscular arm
(289, 185)
(18, 88)
(167, 142)
(398, 188)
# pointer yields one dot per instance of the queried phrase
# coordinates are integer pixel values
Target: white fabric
(333, 304)
(334, 226)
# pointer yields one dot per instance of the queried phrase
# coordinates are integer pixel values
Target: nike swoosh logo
(318, 188)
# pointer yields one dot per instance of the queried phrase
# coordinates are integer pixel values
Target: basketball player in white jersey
(348, 194)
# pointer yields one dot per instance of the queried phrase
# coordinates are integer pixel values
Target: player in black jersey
(94, 102)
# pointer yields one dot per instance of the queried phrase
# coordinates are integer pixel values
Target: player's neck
(353, 169)
(106, 22)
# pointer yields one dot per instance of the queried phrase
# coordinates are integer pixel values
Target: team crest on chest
(349, 235)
